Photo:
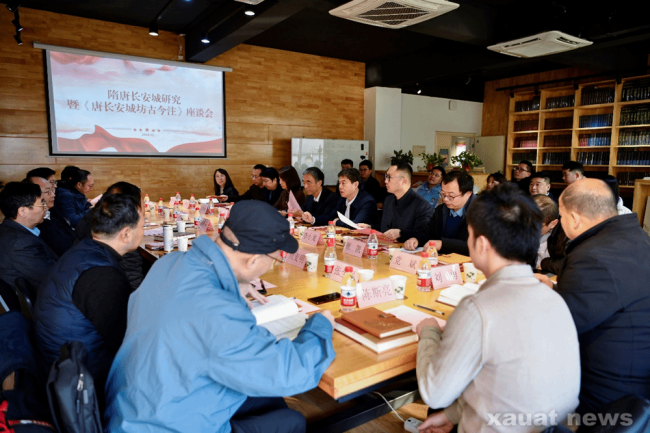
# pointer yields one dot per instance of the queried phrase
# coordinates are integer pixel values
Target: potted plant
(431, 160)
(400, 156)
(467, 160)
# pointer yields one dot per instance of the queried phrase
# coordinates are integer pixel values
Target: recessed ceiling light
(249, 12)
(205, 39)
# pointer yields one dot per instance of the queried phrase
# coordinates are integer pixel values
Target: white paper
(293, 203)
(96, 199)
(413, 316)
(348, 221)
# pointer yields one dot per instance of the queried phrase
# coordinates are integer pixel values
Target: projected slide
(119, 107)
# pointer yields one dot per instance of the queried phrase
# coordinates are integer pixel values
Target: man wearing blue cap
(193, 358)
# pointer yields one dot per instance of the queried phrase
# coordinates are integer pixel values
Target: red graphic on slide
(101, 139)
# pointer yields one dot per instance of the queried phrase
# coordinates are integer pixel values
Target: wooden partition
(271, 96)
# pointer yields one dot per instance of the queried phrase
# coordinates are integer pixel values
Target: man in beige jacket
(508, 359)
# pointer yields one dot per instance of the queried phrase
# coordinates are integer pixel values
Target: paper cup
(180, 226)
(312, 261)
(301, 230)
(399, 285)
(470, 272)
(365, 275)
(185, 216)
(182, 243)
(345, 240)
(391, 252)
(167, 212)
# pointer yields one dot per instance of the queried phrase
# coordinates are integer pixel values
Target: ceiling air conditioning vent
(540, 45)
(393, 14)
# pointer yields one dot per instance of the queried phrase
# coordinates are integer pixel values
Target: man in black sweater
(405, 213)
(369, 183)
(256, 190)
(448, 226)
(320, 202)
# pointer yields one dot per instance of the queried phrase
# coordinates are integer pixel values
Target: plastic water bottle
(192, 200)
(146, 200)
(210, 210)
(222, 221)
(424, 274)
(178, 196)
(161, 207)
(348, 291)
(292, 224)
(433, 254)
(329, 257)
(330, 233)
(373, 245)
(177, 210)
(197, 218)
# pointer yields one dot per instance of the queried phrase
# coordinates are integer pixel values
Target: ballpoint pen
(430, 309)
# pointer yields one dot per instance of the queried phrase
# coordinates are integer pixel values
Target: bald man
(604, 282)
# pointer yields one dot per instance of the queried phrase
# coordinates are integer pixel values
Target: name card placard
(203, 209)
(297, 259)
(375, 292)
(339, 271)
(445, 276)
(405, 262)
(172, 201)
(354, 247)
(312, 237)
(186, 204)
(205, 225)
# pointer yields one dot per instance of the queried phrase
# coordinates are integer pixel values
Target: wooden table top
(355, 366)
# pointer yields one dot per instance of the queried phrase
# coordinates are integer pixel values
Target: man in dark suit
(256, 190)
(320, 202)
(448, 226)
(369, 183)
(356, 205)
(55, 230)
(23, 253)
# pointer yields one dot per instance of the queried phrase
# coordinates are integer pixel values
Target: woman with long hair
(223, 184)
(289, 181)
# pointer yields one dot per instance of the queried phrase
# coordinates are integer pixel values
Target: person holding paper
(71, 200)
(448, 225)
(320, 202)
(604, 281)
(488, 361)
(357, 206)
(405, 212)
(290, 182)
(193, 358)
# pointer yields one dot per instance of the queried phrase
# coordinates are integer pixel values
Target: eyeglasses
(275, 259)
(521, 169)
(389, 177)
(449, 196)
(254, 176)
(48, 191)
(43, 205)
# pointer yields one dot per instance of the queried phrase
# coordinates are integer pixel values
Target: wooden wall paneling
(271, 96)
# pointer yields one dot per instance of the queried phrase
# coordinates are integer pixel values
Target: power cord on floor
(389, 405)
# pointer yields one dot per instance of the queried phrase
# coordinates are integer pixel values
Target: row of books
(628, 178)
(634, 138)
(526, 142)
(597, 95)
(524, 156)
(526, 125)
(560, 101)
(530, 105)
(559, 123)
(635, 116)
(596, 120)
(557, 140)
(556, 157)
(633, 157)
(593, 158)
(599, 139)
(636, 90)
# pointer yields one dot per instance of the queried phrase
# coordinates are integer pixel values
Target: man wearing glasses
(23, 253)
(256, 191)
(55, 231)
(448, 226)
(522, 175)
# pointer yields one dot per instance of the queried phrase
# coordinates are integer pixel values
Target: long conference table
(356, 369)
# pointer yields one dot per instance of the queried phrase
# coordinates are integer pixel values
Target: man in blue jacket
(193, 358)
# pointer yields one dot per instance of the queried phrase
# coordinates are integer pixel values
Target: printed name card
(203, 209)
(312, 237)
(186, 204)
(172, 201)
(205, 225)
(339, 271)
(405, 262)
(354, 247)
(445, 276)
(375, 292)
(297, 259)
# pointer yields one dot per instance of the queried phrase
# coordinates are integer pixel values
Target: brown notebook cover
(377, 322)
(378, 345)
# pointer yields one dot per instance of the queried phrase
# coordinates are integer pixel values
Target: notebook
(280, 316)
(378, 345)
(376, 322)
(453, 294)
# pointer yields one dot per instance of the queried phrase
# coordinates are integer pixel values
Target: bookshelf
(605, 125)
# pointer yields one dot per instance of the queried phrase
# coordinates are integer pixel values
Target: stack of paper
(452, 295)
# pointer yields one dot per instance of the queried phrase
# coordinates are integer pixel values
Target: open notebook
(280, 316)
(453, 295)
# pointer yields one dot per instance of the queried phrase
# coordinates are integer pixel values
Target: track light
(205, 39)
(153, 28)
(13, 6)
(249, 12)
(16, 22)
(419, 91)
(17, 38)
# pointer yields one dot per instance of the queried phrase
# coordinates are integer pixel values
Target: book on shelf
(376, 322)
(454, 294)
(378, 345)
(281, 316)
